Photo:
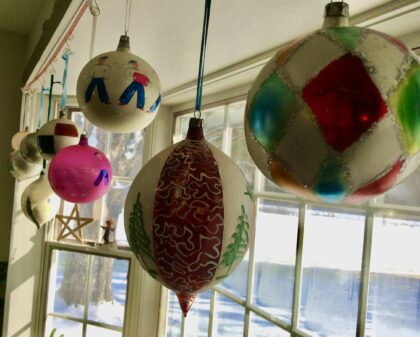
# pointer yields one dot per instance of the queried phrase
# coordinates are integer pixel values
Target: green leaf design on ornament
(139, 241)
(239, 243)
(30, 213)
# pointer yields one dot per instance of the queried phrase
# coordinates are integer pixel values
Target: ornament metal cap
(124, 43)
(195, 129)
(336, 14)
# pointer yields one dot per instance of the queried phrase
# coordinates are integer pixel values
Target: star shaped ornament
(66, 221)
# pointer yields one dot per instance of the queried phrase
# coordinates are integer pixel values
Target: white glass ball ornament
(17, 138)
(39, 202)
(190, 216)
(55, 135)
(118, 91)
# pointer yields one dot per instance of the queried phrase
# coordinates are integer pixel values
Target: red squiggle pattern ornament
(188, 219)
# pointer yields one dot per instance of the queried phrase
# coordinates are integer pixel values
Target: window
(86, 293)
(314, 269)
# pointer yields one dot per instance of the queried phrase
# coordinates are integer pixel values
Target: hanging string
(50, 95)
(41, 107)
(197, 113)
(66, 58)
(95, 11)
(128, 4)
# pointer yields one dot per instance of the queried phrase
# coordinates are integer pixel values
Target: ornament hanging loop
(127, 20)
(93, 7)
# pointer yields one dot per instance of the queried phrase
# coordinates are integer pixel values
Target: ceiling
(167, 33)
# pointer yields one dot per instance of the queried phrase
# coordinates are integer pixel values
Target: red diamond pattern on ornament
(345, 101)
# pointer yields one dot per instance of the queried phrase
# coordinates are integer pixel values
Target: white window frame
(375, 207)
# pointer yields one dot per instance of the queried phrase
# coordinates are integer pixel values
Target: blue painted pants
(99, 83)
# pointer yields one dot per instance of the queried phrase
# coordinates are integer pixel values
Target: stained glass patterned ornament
(55, 135)
(80, 173)
(334, 116)
(189, 216)
(119, 91)
(39, 202)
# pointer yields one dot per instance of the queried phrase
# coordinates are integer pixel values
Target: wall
(11, 68)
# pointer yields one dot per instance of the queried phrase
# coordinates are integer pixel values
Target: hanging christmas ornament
(58, 133)
(80, 173)
(39, 203)
(118, 91)
(55, 135)
(20, 168)
(334, 116)
(17, 138)
(29, 149)
(189, 214)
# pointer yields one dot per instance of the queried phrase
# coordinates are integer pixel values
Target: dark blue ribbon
(202, 56)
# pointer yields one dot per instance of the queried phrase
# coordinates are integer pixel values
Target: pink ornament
(80, 173)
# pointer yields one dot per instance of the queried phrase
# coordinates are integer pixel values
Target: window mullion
(365, 274)
(298, 266)
(212, 305)
(250, 283)
(86, 312)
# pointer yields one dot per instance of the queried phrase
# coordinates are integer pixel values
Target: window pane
(236, 283)
(126, 153)
(394, 290)
(275, 255)
(238, 150)
(96, 136)
(213, 126)
(407, 193)
(228, 319)
(114, 209)
(95, 331)
(197, 321)
(108, 290)
(64, 327)
(173, 316)
(259, 327)
(332, 256)
(67, 283)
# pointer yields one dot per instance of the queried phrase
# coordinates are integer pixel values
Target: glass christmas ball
(334, 116)
(189, 216)
(80, 173)
(55, 135)
(39, 202)
(20, 168)
(118, 91)
(29, 149)
(17, 138)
